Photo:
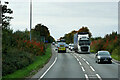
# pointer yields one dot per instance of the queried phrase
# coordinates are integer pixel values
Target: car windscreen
(104, 53)
(84, 42)
(61, 45)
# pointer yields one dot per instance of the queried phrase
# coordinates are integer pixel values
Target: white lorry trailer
(82, 42)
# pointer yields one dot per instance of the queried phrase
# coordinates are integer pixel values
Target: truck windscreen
(84, 42)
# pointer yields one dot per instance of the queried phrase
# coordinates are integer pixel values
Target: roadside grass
(39, 62)
(116, 57)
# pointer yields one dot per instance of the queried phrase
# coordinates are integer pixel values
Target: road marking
(98, 76)
(92, 68)
(80, 56)
(82, 68)
(48, 69)
(86, 76)
(77, 59)
(80, 63)
(87, 62)
(84, 59)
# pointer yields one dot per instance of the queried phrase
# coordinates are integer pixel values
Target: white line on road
(82, 68)
(48, 69)
(92, 68)
(84, 59)
(86, 76)
(87, 62)
(80, 63)
(75, 56)
(98, 76)
(80, 56)
(77, 59)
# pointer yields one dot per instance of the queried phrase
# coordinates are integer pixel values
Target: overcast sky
(63, 17)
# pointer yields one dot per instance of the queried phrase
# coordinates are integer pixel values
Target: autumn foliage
(109, 42)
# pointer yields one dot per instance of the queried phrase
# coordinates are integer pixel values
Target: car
(103, 56)
(61, 47)
(71, 47)
(66, 45)
(53, 43)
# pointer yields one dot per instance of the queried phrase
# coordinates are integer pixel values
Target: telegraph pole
(30, 17)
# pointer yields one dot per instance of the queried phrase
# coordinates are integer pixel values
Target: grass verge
(116, 57)
(39, 62)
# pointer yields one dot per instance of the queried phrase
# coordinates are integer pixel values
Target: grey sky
(63, 17)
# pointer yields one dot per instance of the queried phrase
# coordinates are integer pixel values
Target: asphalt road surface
(80, 66)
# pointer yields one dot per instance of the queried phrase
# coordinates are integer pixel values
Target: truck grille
(84, 48)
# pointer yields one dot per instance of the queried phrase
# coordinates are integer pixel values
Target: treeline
(42, 34)
(111, 43)
(17, 49)
(69, 38)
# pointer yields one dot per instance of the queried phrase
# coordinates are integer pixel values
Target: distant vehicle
(71, 47)
(53, 43)
(82, 42)
(61, 47)
(103, 56)
(66, 45)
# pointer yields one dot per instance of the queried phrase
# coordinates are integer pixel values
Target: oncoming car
(103, 56)
(61, 47)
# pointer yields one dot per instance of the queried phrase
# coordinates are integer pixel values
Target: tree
(85, 29)
(40, 31)
(6, 19)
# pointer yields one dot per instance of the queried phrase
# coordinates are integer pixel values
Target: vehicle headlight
(99, 57)
(110, 57)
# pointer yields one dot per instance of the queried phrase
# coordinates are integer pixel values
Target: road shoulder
(42, 70)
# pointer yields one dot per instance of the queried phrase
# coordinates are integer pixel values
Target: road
(80, 66)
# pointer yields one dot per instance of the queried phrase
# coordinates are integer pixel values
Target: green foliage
(116, 53)
(15, 59)
(111, 43)
(69, 38)
(41, 32)
(6, 19)
(38, 63)
(85, 29)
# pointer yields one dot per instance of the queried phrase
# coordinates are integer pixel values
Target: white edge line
(82, 68)
(48, 69)
(98, 76)
(83, 59)
(92, 68)
(87, 62)
(86, 76)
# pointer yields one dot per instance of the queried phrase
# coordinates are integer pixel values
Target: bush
(15, 59)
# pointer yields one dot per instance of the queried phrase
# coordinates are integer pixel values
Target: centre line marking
(86, 76)
(87, 62)
(80, 56)
(48, 69)
(83, 59)
(80, 63)
(98, 76)
(92, 68)
(82, 68)
(77, 59)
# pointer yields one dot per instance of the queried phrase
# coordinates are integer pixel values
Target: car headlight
(99, 57)
(110, 57)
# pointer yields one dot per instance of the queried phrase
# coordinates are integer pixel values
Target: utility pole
(30, 17)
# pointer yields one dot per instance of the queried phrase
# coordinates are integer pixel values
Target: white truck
(82, 42)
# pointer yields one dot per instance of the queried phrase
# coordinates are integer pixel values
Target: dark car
(103, 56)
